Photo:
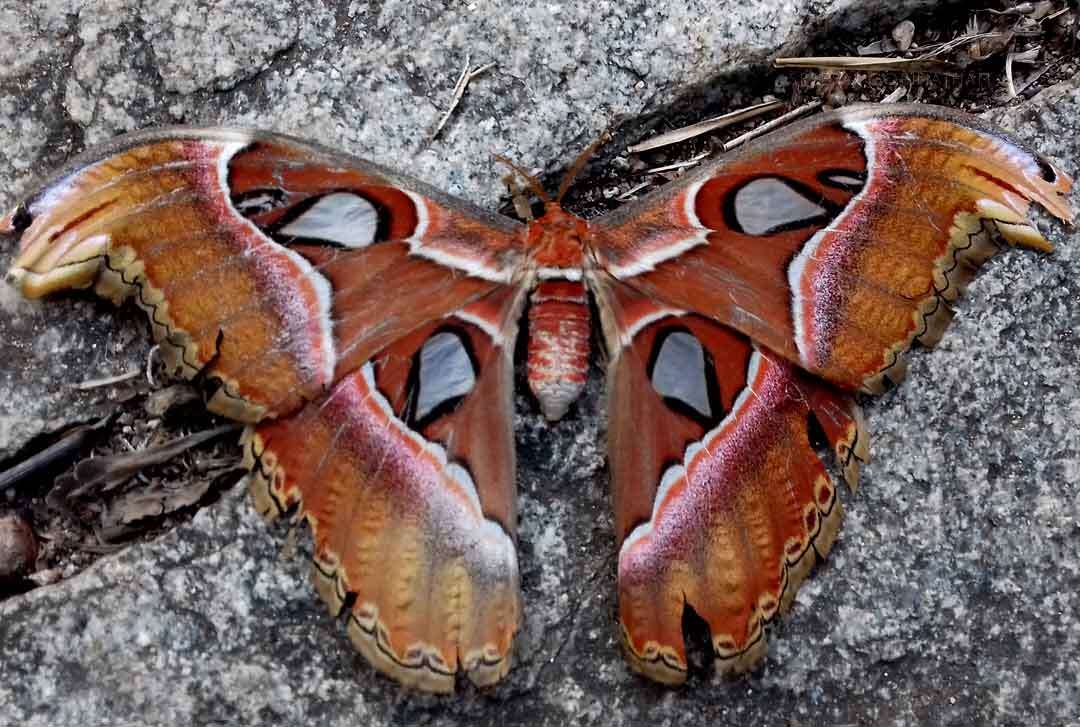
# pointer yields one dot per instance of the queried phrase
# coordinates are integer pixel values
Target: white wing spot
(767, 204)
(679, 372)
(844, 180)
(342, 218)
(446, 372)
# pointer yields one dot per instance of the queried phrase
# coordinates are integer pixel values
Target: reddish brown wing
(366, 324)
(266, 264)
(405, 472)
(831, 247)
(840, 241)
(721, 503)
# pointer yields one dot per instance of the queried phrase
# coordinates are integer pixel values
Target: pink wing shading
(721, 503)
(840, 241)
(267, 265)
(405, 472)
(825, 250)
(363, 325)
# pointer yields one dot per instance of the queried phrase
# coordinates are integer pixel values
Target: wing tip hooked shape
(973, 238)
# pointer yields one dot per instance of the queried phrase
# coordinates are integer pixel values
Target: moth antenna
(579, 164)
(532, 182)
(521, 202)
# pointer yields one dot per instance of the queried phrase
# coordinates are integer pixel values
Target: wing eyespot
(343, 219)
(443, 373)
(770, 204)
(681, 370)
(339, 218)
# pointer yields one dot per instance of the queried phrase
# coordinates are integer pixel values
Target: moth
(363, 326)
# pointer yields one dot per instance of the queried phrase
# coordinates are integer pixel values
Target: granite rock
(951, 598)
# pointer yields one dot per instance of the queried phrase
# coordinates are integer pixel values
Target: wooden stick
(769, 126)
(704, 127)
(459, 92)
(106, 381)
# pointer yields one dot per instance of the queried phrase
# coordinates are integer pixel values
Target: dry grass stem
(854, 63)
(770, 125)
(150, 365)
(897, 93)
(467, 75)
(1027, 56)
(678, 165)
(704, 127)
(106, 381)
(629, 194)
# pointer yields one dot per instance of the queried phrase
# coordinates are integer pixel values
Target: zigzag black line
(152, 310)
(939, 294)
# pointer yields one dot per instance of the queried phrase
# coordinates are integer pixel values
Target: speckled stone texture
(951, 598)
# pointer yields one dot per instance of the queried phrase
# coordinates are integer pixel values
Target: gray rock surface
(952, 597)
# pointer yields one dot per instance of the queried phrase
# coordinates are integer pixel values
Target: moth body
(558, 319)
(558, 358)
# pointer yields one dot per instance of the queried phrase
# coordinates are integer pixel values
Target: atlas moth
(363, 326)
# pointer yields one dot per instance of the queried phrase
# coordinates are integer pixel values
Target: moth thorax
(558, 344)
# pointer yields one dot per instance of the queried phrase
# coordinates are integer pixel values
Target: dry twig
(774, 124)
(462, 84)
(106, 381)
(63, 449)
(704, 127)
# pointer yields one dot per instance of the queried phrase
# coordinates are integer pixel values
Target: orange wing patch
(405, 473)
(721, 503)
(402, 544)
(736, 526)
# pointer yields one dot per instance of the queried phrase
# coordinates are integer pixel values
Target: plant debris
(103, 474)
(774, 124)
(161, 402)
(984, 49)
(467, 75)
(61, 452)
(135, 476)
(106, 381)
(704, 127)
(962, 58)
(123, 517)
(18, 547)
